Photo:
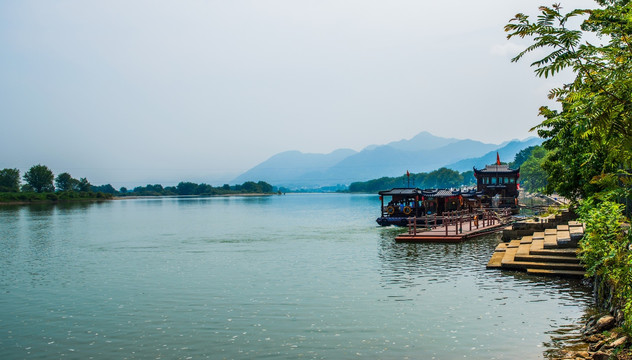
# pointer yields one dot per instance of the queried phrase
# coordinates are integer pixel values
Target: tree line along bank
(40, 184)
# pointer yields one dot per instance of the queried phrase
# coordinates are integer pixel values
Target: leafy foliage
(522, 156)
(441, 178)
(9, 180)
(592, 135)
(590, 138)
(189, 188)
(605, 250)
(532, 174)
(40, 178)
(65, 182)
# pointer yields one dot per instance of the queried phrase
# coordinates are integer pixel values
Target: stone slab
(541, 265)
(562, 273)
(538, 235)
(568, 252)
(550, 241)
(501, 247)
(526, 240)
(523, 250)
(576, 232)
(563, 236)
(496, 261)
(513, 244)
(545, 258)
(509, 256)
(537, 244)
(549, 232)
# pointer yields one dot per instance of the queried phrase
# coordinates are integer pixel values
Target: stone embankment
(547, 246)
(540, 223)
(602, 341)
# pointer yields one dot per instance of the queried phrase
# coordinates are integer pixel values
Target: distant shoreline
(42, 202)
(66, 201)
(189, 196)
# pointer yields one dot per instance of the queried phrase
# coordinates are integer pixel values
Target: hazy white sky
(136, 92)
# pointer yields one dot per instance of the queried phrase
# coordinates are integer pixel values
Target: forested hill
(441, 178)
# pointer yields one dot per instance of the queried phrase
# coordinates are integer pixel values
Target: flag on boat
(497, 158)
(407, 173)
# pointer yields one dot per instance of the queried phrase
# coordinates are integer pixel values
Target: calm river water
(280, 277)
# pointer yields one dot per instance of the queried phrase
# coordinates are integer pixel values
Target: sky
(138, 92)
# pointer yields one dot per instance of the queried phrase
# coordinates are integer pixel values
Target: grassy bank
(51, 197)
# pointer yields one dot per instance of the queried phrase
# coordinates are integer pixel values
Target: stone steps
(564, 273)
(546, 258)
(551, 252)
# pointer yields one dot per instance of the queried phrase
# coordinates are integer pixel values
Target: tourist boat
(498, 185)
(496, 188)
(399, 205)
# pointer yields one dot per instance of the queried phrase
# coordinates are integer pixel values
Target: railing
(459, 218)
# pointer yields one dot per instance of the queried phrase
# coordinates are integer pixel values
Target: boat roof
(412, 192)
(441, 192)
(503, 168)
(401, 191)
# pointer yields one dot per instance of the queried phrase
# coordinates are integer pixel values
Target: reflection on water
(454, 277)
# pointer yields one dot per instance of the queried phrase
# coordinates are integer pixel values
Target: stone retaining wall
(525, 228)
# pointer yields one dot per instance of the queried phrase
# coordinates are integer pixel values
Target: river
(273, 277)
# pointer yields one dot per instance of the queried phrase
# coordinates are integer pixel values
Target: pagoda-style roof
(496, 169)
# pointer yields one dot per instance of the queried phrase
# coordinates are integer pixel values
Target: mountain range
(422, 153)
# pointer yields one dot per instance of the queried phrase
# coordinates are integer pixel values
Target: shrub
(605, 250)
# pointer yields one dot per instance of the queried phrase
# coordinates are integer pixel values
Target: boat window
(512, 180)
(494, 180)
(506, 181)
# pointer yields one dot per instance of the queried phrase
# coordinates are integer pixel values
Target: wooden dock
(552, 252)
(457, 227)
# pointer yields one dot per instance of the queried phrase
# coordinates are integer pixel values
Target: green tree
(65, 182)
(443, 178)
(533, 177)
(9, 180)
(186, 188)
(521, 157)
(468, 178)
(40, 178)
(265, 187)
(107, 189)
(591, 136)
(84, 185)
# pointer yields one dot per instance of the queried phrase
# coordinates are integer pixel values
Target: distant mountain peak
(423, 152)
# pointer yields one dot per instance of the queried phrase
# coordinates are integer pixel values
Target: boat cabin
(409, 202)
(498, 185)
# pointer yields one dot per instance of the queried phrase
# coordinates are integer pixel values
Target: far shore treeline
(40, 184)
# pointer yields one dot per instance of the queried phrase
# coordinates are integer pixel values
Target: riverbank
(604, 249)
(601, 339)
(27, 198)
(54, 198)
(193, 196)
